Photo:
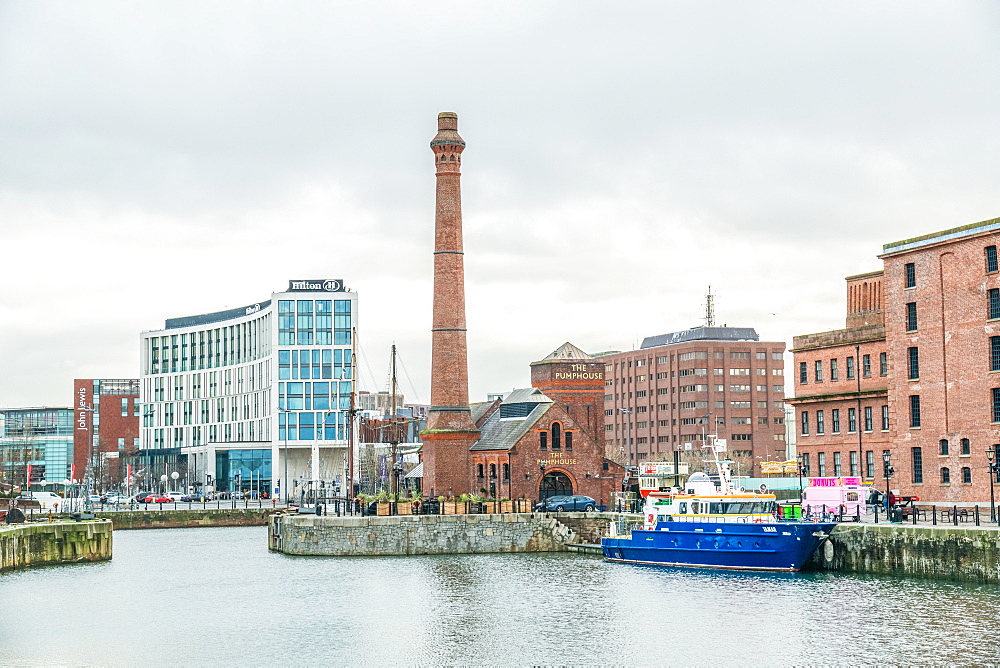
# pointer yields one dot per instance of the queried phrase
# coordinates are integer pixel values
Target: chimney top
(447, 130)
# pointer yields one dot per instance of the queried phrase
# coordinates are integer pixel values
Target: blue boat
(710, 523)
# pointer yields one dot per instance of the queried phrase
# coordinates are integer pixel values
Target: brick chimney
(450, 431)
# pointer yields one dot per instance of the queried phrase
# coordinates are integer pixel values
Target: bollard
(934, 515)
(875, 508)
(977, 515)
(954, 515)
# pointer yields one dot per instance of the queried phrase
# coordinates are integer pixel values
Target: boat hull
(766, 546)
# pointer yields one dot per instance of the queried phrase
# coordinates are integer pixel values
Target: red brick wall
(954, 352)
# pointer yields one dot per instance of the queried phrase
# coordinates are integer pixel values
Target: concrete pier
(46, 543)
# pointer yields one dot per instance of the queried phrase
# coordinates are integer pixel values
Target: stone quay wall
(47, 543)
(951, 553)
(171, 519)
(420, 534)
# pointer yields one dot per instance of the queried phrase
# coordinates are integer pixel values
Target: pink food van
(834, 493)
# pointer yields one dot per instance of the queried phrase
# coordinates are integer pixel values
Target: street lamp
(174, 476)
(887, 470)
(993, 467)
(285, 452)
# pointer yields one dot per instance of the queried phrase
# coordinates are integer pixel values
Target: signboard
(721, 445)
(316, 285)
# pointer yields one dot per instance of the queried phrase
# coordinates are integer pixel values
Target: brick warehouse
(546, 440)
(934, 381)
(106, 425)
(682, 386)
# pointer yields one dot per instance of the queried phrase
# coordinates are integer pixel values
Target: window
(917, 460)
(742, 437)
(805, 464)
(778, 388)
(777, 356)
(819, 371)
(569, 438)
(943, 445)
(833, 370)
(805, 422)
(945, 475)
(996, 404)
(870, 464)
(124, 407)
(883, 364)
(739, 356)
(835, 419)
(850, 367)
(556, 436)
(761, 355)
(868, 418)
(820, 424)
(479, 471)
(966, 447)
(739, 372)
(506, 471)
(543, 439)
(995, 353)
(836, 463)
(821, 461)
(991, 258)
(911, 316)
(854, 462)
(866, 366)
(740, 404)
(740, 420)
(910, 271)
(885, 418)
(777, 372)
(803, 373)
(994, 297)
(966, 475)
(915, 410)
(852, 420)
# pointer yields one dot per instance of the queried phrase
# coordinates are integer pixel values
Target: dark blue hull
(777, 546)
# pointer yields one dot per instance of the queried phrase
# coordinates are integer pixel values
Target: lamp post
(174, 476)
(887, 471)
(802, 471)
(284, 454)
(859, 423)
(992, 467)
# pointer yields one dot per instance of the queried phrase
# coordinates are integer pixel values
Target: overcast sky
(162, 159)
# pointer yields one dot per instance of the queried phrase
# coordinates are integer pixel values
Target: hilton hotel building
(226, 395)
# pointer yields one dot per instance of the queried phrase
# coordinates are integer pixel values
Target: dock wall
(46, 543)
(420, 534)
(170, 519)
(952, 553)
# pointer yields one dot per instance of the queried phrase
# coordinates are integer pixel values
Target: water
(218, 597)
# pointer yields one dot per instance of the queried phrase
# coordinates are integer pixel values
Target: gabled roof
(499, 433)
(567, 351)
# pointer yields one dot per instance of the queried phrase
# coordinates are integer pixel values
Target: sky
(164, 159)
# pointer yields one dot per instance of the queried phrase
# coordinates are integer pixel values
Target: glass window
(835, 419)
(854, 462)
(991, 258)
(917, 459)
(914, 410)
(911, 316)
(870, 463)
(803, 373)
(819, 371)
(943, 444)
(305, 306)
(994, 297)
(945, 475)
(833, 370)
(996, 404)
(852, 420)
(885, 418)
(805, 423)
(966, 446)
(836, 464)
(883, 364)
(910, 269)
(124, 407)
(324, 306)
(868, 418)
(820, 423)
(821, 461)
(966, 475)
(286, 306)
(850, 367)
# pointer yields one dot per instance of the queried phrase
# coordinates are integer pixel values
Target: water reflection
(217, 596)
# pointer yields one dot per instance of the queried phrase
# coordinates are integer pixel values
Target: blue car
(561, 503)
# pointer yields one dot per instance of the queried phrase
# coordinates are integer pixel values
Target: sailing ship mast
(393, 436)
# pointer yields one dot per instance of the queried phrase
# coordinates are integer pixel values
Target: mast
(393, 436)
(351, 415)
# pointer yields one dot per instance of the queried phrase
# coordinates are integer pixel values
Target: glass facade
(39, 437)
(243, 470)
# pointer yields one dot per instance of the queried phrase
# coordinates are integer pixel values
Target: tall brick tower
(450, 431)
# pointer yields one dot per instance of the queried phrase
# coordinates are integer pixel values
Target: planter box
(506, 506)
(383, 508)
(456, 507)
(404, 507)
(491, 507)
(522, 505)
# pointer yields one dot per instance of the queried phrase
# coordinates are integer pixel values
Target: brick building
(547, 440)
(841, 388)
(934, 381)
(106, 425)
(683, 386)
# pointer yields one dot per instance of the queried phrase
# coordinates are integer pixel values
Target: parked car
(158, 498)
(141, 496)
(574, 502)
(175, 496)
(193, 498)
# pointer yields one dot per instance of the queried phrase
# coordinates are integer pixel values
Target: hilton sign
(316, 285)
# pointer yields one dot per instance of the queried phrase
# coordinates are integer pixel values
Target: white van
(48, 500)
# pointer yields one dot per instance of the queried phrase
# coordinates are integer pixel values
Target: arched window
(966, 447)
(479, 470)
(569, 440)
(944, 446)
(966, 475)
(556, 436)
(493, 470)
(945, 475)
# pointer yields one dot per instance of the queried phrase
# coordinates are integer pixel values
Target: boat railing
(622, 526)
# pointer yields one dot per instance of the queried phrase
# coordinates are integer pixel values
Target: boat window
(715, 508)
(684, 507)
(695, 506)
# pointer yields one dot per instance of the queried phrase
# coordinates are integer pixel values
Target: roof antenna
(709, 308)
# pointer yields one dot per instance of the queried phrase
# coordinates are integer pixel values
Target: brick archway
(556, 482)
